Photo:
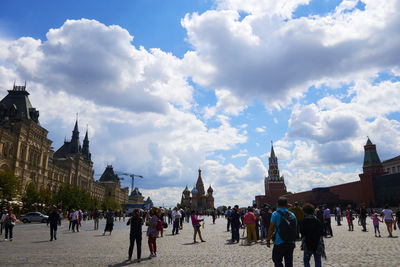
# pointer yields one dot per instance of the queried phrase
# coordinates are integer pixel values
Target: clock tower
(274, 183)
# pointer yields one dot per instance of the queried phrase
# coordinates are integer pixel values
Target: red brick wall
(350, 191)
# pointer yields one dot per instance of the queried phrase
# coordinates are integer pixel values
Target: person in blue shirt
(282, 249)
(228, 215)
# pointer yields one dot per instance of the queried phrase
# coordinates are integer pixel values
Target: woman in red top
(196, 226)
(250, 222)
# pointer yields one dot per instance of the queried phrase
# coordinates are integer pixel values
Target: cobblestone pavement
(31, 247)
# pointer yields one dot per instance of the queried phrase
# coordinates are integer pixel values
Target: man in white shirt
(74, 219)
(176, 215)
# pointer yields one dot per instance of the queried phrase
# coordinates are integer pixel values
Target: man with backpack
(284, 224)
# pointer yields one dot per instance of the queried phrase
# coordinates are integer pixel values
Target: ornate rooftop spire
(75, 145)
(85, 147)
(272, 154)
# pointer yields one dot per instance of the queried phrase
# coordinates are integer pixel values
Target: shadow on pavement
(191, 244)
(126, 262)
(43, 241)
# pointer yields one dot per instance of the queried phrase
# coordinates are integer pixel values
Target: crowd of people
(283, 224)
(286, 224)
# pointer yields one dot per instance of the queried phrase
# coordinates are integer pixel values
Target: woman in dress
(152, 232)
(109, 222)
(387, 215)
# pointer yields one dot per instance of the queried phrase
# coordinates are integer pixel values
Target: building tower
(210, 198)
(195, 198)
(75, 145)
(85, 148)
(200, 185)
(372, 167)
(274, 184)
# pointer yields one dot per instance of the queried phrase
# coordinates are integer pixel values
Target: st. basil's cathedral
(199, 200)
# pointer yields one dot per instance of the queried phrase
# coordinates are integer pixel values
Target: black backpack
(287, 228)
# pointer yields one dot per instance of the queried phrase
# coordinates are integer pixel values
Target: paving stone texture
(31, 247)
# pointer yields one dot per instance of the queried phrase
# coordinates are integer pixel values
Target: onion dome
(195, 191)
(186, 191)
(210, 190)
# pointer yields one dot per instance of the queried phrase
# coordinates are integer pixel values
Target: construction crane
(130, 175)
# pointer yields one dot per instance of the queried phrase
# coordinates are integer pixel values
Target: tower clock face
(275, 172)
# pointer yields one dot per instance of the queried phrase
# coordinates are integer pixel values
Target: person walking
(9, 222)
(96, 218)
(70, 213)
(135, 234)
(257, 224)
(298, 212)
(350, 218)
(181, 219)
(176, 215)
(327, 221)
(375, 221)
(53, 220)
(109, 222)
(312, 232)
(265, 215)
(363, 218)
(284, 224)
(250, 222)
(74, 220)
(80, 214)
(196, 226)
(235, 224)
(398, 217)
(214, 215)
(170, 221)
(387, 215)
(338, 215)
(4, 214)
(228, 218)
(319, 212)
(152, 232)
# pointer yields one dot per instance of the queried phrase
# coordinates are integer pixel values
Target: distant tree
(45, 196)
(9, 185)
(111, 204)
(30, 197)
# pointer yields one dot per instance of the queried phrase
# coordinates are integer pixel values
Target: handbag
(165, 225)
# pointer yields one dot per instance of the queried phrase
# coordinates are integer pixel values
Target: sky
(167, 87)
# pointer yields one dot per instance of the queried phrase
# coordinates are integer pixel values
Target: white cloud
(270, 56)
(312, 179)
(99, 63)
(261, 129)
(242, 153)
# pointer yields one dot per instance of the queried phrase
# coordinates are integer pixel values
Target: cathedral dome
(210, 190)
(186, 191)
(194, 190)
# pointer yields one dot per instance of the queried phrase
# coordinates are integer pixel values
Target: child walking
(375, 221)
